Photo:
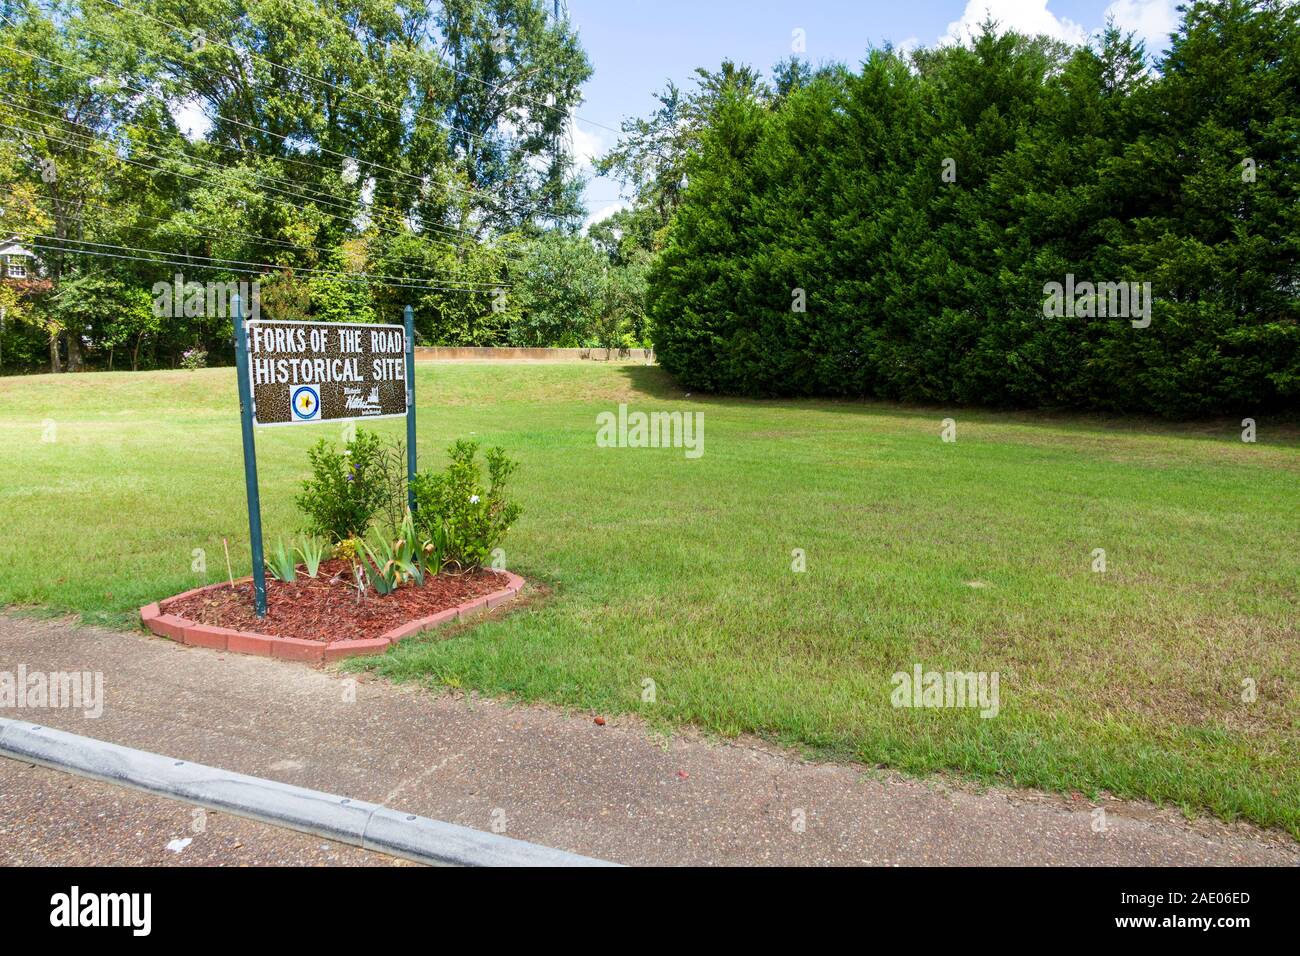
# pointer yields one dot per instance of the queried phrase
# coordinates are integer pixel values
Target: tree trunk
(74, 350)
(135, 355)
(54, 352)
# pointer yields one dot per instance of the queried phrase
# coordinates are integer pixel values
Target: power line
(193, 33)
(200, 265)
(158, 169)
(478, 194)
(256, 128)
(196, 33)
(232, 264)
(284, 266)
(326, 273)
(136, 214)
(318, 197)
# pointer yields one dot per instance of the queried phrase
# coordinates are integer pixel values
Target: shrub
(349, 549)
(820, 250)
(559, 280)
(194, 358)
(348, 489)
(464, 520)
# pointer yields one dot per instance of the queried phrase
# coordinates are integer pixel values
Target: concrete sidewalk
(611, 792)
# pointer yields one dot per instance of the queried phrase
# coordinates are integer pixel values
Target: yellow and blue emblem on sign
(306, 404)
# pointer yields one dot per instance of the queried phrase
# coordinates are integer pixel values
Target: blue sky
(635, 46)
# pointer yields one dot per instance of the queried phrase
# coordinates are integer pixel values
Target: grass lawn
(970, 556)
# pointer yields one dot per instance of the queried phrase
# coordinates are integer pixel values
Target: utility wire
(316, 197)
(196, 33)
(231, 265)
(475, 193)
(270, 198)
(283, 243)
(468, 284)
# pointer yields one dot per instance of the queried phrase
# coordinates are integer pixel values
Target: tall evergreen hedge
(1081, 162)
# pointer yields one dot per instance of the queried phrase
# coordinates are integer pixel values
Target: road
(615, 792)
(51, 818)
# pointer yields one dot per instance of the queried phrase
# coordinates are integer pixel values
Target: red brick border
(296, 649)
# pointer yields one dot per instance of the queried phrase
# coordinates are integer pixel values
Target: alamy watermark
(39, 690)
(214, 300)
(947, 689)
(75, 908)
(651, 430)
(1086, 300)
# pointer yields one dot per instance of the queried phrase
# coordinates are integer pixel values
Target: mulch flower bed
(325, 608)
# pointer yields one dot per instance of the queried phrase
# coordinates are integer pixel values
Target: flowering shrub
(347, 549)
(194, 358)
(455, 510)
(348, 488)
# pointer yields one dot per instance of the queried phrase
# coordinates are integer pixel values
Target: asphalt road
(51, 818)
(535, 773)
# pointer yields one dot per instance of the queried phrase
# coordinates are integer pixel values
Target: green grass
(679, 571)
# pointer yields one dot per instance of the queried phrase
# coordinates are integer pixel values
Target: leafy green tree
(559, 281)
(429, 134)
(284, 298)
(621, 322)
(514, 78)
(892, 232)
(129, 318)
(344, 294)
(651, 156)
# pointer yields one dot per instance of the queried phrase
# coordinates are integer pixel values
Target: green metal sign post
(409, 316)
(250, 456)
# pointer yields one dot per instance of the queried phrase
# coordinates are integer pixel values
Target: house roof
(12, 247)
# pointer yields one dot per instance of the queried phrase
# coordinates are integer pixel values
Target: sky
(636, 46)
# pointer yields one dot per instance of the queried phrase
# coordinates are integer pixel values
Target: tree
(121, 313)
(405, 141)
(513, 80)
(651, 156)
(559, 281)
(893, 232)
(621, 322)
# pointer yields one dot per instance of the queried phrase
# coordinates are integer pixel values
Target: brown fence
(449, 353)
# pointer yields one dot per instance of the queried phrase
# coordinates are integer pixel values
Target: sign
(325, 371)
(294, 372)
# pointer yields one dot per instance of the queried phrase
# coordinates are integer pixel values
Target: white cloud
(1023, 16)
(604, 213)
(190, 119)
(588, 144)
(1151, 20)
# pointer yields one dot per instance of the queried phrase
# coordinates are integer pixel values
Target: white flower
(473, 499)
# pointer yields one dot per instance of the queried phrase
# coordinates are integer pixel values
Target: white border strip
(370, 826)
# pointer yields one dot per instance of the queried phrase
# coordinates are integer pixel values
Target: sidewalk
(537, 774)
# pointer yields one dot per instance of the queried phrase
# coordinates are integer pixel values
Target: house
(20, 267)
(18, 261)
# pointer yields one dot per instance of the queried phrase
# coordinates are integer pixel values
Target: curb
(370, 826)
(178, 628)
